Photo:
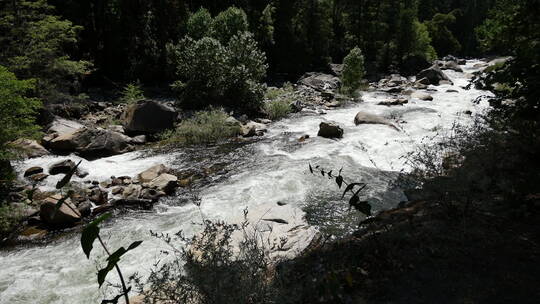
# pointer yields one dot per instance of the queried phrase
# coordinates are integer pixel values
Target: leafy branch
(354, 201)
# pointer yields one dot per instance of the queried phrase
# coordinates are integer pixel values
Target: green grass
(204, 127)
(278, 101)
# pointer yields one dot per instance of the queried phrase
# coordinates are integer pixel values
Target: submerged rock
(422, 96)
(32, 171)
(63, 167)
(367, 118)
(329, 130)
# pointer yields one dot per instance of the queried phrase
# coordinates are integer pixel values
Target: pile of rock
(93, 197)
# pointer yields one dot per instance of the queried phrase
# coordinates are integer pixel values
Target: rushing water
(258, 175)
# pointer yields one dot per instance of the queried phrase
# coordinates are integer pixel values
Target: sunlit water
(259, 175)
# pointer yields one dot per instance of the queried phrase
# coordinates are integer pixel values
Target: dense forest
(217, 100)
(70, 45)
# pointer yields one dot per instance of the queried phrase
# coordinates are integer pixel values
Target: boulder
(29, 148)
(63, 167)
(367, 118)
(320, 82)
(139, 140)
(62, 126)
(151, 173)
(329, 130)
(422, 96)
(433, 75)
(66, 216)
(132, 191)
(32, 171)
(152, 194)
(395, 102)
(92, 142)
(85, 209)
(116, 128)
(149, 117)
(451, 65)
(165, 182)
(98, 197)
(39, 177)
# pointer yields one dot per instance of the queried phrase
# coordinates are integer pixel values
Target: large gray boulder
(165, 182)
(149, 117)
(62, 126)
(433, 75)
(367, 118)
(320, 82)
(92, 142)
(329, 130)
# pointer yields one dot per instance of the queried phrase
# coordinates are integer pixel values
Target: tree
(353, 70)
(16, 111)
(199, 24)
(443, 40)
(220, 72)
(36, 44)
(229, 23)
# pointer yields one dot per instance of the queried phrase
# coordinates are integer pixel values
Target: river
(257, 175)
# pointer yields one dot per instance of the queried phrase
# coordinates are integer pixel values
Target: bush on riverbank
(204, 127)
(10, 218)
(279, 101)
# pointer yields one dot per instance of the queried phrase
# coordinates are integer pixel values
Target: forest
(269, 151)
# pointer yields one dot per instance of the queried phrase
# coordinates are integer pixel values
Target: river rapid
(256, 175)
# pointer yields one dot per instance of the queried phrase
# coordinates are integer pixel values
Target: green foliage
(10, 217)
(17, 111)
(132, 93)
(422, 42)
(443, 40)
(214, 73)
(353, 70)
(228, 23)
(89, 235)
(278, 101)
(277, 109)
(203, 127)
(225, 263)
(199, 24)
(36, 44)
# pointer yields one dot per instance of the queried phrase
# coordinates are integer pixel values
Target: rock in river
(329, 130)
(366, 118)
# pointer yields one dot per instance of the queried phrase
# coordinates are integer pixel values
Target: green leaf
(90, 233)
(329, 173)
(113, 259)
(362, 206)
(339, 181)
(67, 177)
(350, 187)
(310, 169)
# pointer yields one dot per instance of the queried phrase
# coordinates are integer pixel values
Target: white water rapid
(261, 174)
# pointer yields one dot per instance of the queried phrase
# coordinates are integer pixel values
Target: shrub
(203, 127)
(278, 101)
(277, 109)
(211, 268)
(353, 70)
(225, 71)
(132, 93)
(16, 111)
(9, 219)
(229, 23)
(199, 24)
(213, 74)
